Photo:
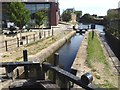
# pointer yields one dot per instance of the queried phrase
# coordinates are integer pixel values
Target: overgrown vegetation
(86, 18)
(99, 65)
(113, 14)
(78, 14)
(113, 21)
(66, 16)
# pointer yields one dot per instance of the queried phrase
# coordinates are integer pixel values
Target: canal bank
(79, 62)
(99, 78)
(45, 53)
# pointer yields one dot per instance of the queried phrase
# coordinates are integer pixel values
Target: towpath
(80, 60)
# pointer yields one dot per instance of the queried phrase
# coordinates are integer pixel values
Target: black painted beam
(6, 64)
(62, 73)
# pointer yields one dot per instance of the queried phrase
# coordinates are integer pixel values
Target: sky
(98, 7)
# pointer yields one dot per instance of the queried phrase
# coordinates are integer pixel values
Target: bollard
(40, 35)
(25, 58)
(34, 36)
(17, 42)
(6, 45)
(93, 27)
(56, 59)
(92, 34)
(26, 39)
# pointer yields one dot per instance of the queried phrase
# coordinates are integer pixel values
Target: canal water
(98, 27)
(67, 52)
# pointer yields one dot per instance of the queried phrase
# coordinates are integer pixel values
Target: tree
(87, 18)
(40, 17)
(18, 14)
(78, 14)
(66, 16)
(113, 14)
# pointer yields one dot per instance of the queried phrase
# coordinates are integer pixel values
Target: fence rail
(17, 42)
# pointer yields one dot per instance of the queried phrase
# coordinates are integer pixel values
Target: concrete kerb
(81, 54)
(79, 62)
(45, 53)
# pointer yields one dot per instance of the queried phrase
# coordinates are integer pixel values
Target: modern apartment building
(50, 6)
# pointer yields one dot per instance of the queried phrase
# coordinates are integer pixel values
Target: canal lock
(66, 55)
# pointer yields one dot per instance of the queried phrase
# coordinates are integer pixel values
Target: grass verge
(95, 51)
(98, 63)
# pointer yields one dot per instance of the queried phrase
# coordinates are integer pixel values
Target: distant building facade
(50, 6)
(73, 16)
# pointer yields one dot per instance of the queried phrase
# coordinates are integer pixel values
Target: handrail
(84, 82)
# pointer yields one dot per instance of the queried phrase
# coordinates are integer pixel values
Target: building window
(33, 8)
(40, 6)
